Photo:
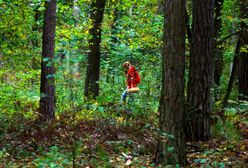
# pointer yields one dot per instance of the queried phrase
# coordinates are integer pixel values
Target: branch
(227, 37)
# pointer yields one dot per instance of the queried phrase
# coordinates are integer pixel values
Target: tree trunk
(171, 145)
(93, 67)
(218, 53)
(198, 114)
(47, 88)
(243, 64)
(233, 73)
(243, 68)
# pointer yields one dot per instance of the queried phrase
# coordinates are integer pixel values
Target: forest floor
(108, 143)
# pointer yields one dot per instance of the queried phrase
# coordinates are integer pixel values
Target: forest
(123, 83)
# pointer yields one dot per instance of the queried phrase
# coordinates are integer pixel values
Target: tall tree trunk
(93, 67)
(171, 145)
(198, 114)
(218, 53)
(47, 88)
(243, 63)
(233, 73)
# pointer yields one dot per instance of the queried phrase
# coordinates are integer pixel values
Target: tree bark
(199, 106)
(47, 88)
(243, 68)
(93, 67)
(171, 145)
(218, 53)
(243, 63)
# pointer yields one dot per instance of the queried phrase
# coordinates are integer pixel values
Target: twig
(194, 151)
(228, 36)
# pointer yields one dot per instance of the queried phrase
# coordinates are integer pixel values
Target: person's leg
(123, 96)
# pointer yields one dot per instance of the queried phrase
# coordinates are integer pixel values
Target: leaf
(46, 59)
(170, 149)
(101, 109)
(171, 136)
(201, 161)
(147, 125)
(50, 76)
(222, 165)
(229, 17)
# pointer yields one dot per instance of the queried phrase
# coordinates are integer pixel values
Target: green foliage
(133, 23)
(15, 96)
(54, 158)
(226, 127)
(206, 163)
(130, 32)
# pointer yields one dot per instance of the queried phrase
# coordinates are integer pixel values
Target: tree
(218, 53)
(240, 60)
(47, 88)
(93, 67)
(233, 72)
(243, 61)
(198, 114)
(171, 150)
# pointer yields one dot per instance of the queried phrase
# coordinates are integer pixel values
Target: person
(133, 79)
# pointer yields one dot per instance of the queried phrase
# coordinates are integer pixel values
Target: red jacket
(133, 78)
